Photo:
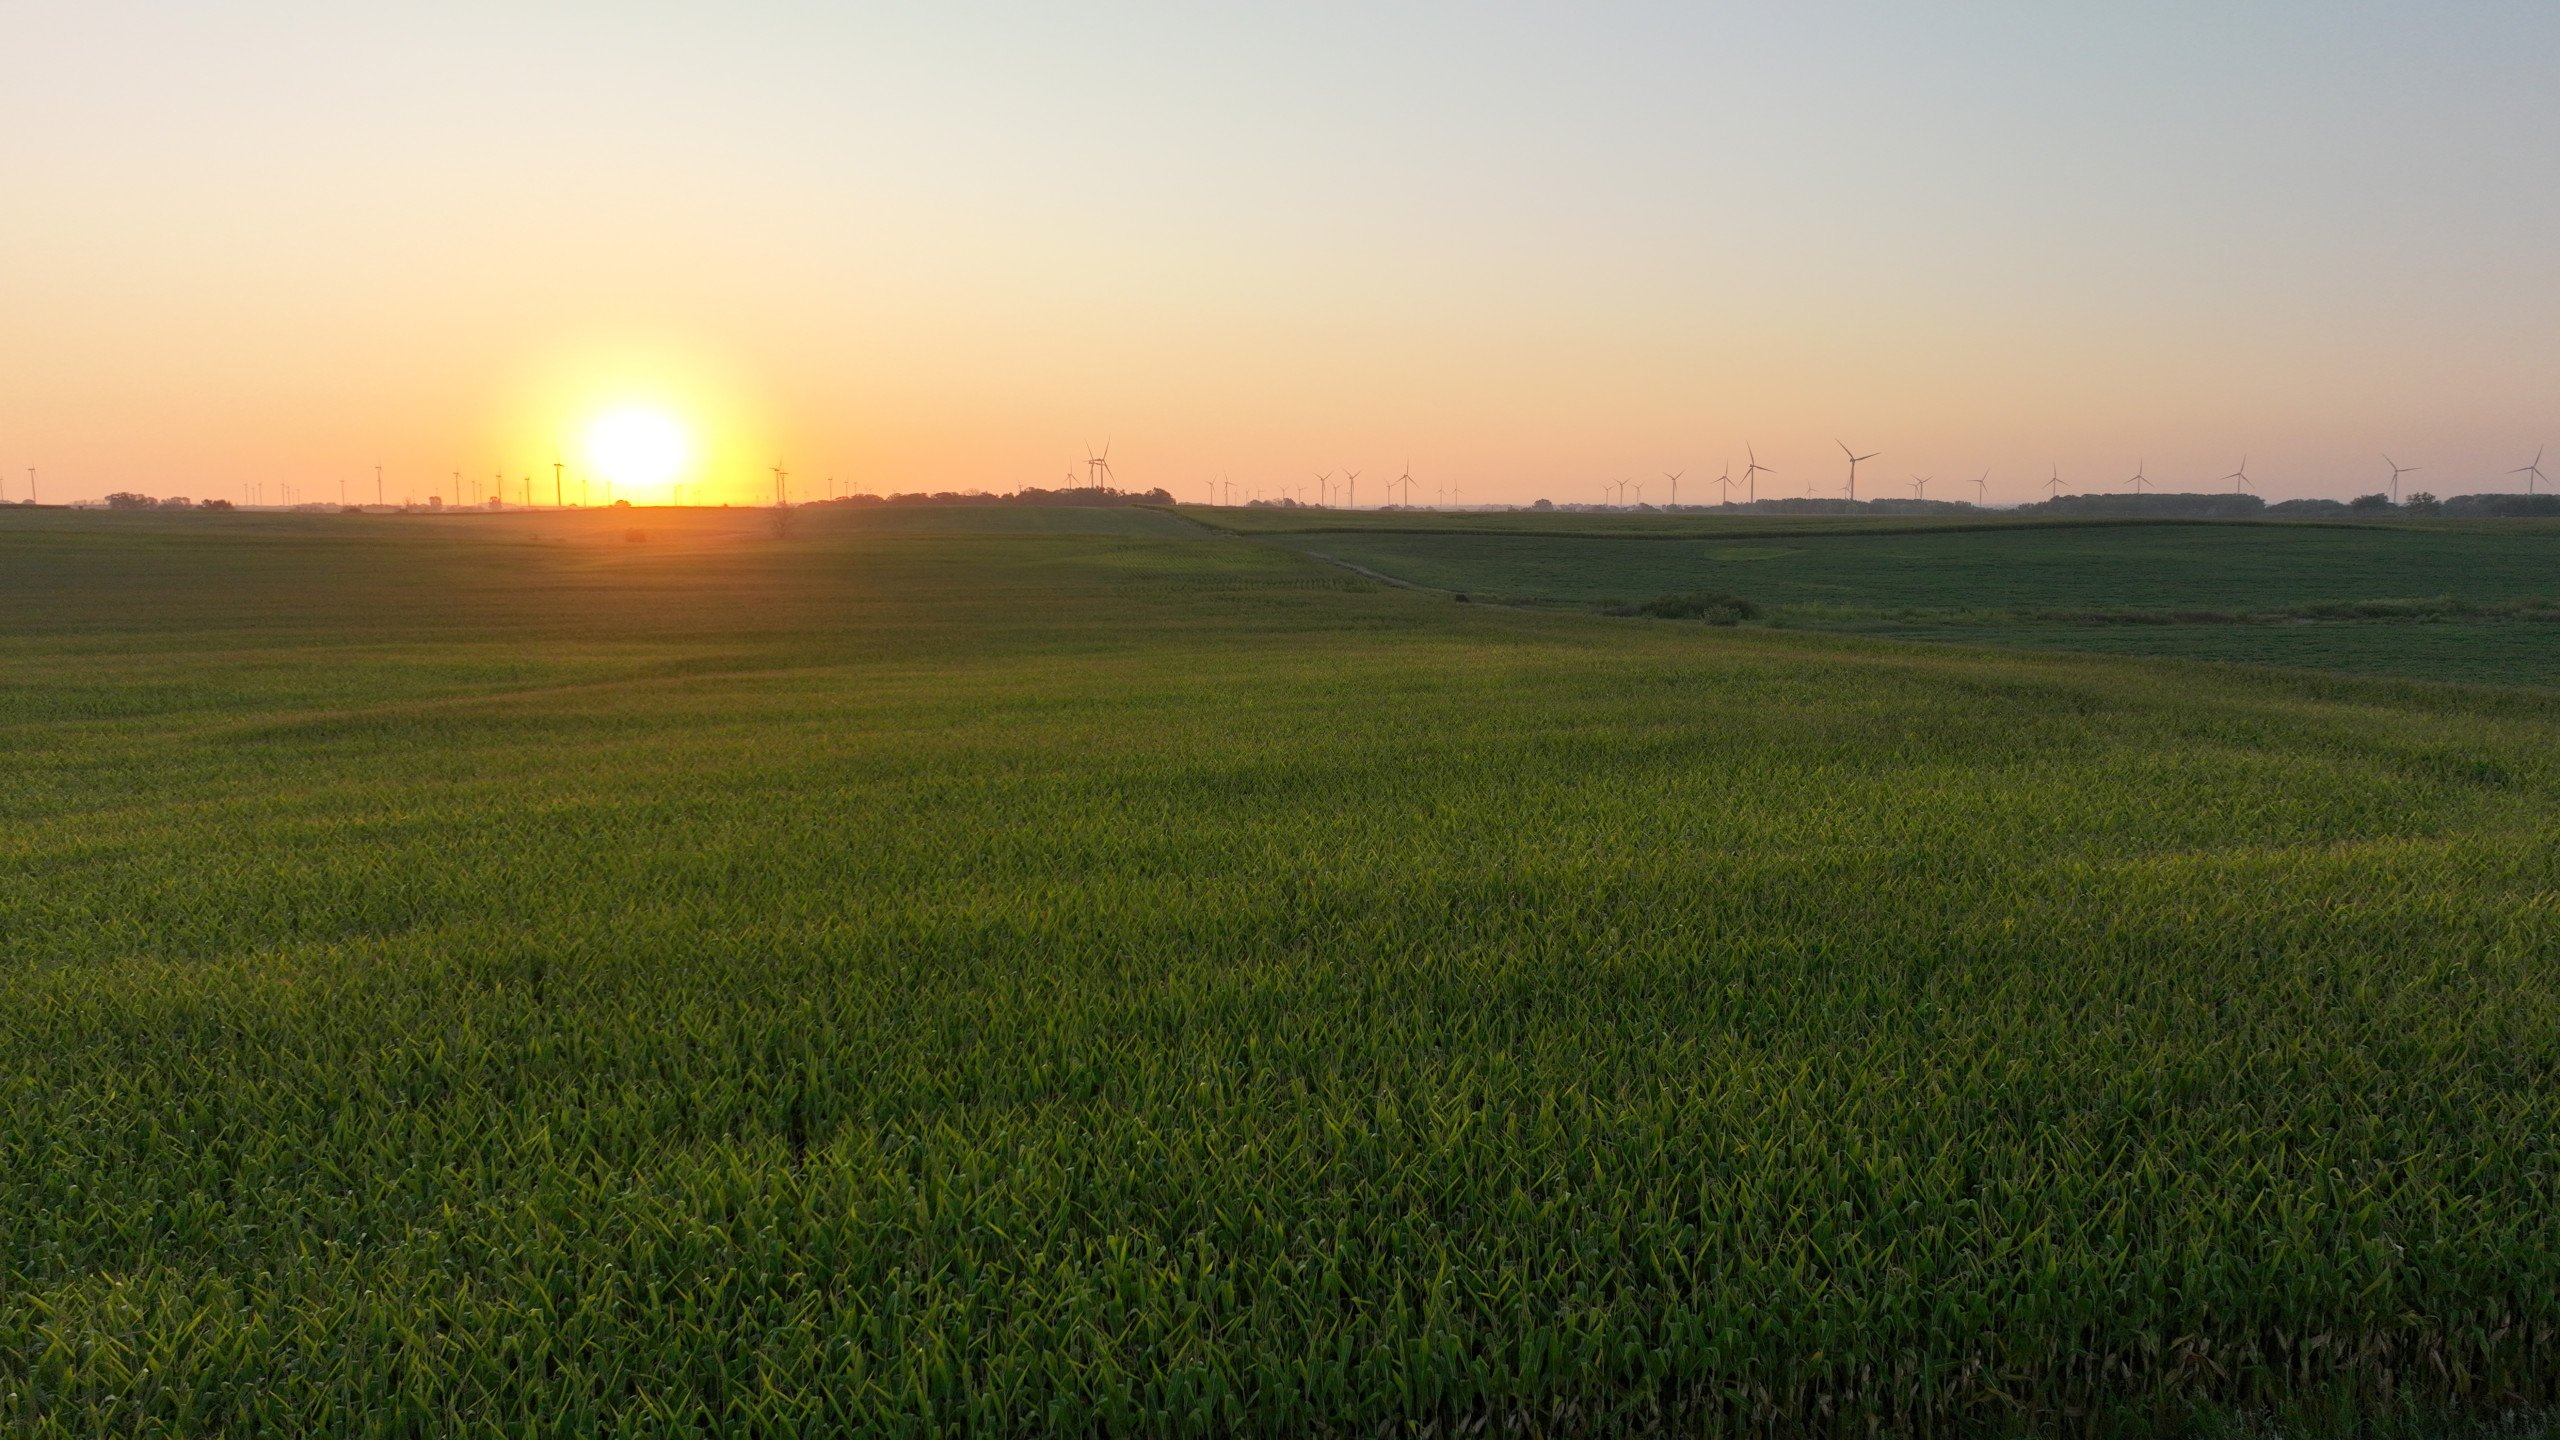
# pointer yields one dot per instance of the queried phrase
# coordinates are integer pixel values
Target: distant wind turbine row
(1344, 491)
(1616, 492)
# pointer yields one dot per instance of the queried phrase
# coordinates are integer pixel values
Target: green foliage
(475, 974)
(1713, 606)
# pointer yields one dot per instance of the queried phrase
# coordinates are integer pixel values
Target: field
(2440, 602)
(1009, 973)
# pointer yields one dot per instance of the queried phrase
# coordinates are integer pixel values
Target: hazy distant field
(1249, 521)
(2064, 585)
(1050, 975)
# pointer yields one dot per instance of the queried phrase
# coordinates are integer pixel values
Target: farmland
(2441, 602)
(1059, 972)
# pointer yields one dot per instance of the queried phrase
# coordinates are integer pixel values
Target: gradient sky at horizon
(1528, 248)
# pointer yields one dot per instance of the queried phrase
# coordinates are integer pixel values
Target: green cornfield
(994, 973)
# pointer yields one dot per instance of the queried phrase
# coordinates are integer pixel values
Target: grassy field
(640, 975)
(2266, 593)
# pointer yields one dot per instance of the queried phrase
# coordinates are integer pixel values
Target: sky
(1523, 250)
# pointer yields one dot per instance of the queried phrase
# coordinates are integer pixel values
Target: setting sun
(638, 449)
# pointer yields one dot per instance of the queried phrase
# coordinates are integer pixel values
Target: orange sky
(1531, 249)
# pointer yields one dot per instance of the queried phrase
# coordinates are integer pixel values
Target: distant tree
(213, 504)
(2424, 503)
(2369, 504)
(2503, 507)
(177, 502)
(1028, 495)
(128, 500)
(1544, 504)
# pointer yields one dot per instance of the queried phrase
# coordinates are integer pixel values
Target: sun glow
(642, 451)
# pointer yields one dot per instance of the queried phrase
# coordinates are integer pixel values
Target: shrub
(1713, 606)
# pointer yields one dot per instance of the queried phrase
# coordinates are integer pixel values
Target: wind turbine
(1350, 489)
(377, 484)
(1725, 481)
(559, 495)
(2141, 482)
(1099, 465)
(781, 486)
(1920, 486)
(1982, 488)
(1323, 479)
(1751, 474)
(1639, 492)
(1853, 468)
(2398, 470)
(1674, 477)
(2239, 478)
(2532, 472)
(2053, 487)
(1405, 480)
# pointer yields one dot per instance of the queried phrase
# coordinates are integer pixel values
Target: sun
(638, 448)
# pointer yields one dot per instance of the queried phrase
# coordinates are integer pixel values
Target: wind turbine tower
(2398, 470)
(781, 485)
(2141, 482)
(1674, 477)
(1982, 488)
(2239, 478)
(1350, 489)
(1920, 486)
(1853, 467)
(2053, 487)
(1751, 474)
(377, 484)
(2532, 472)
